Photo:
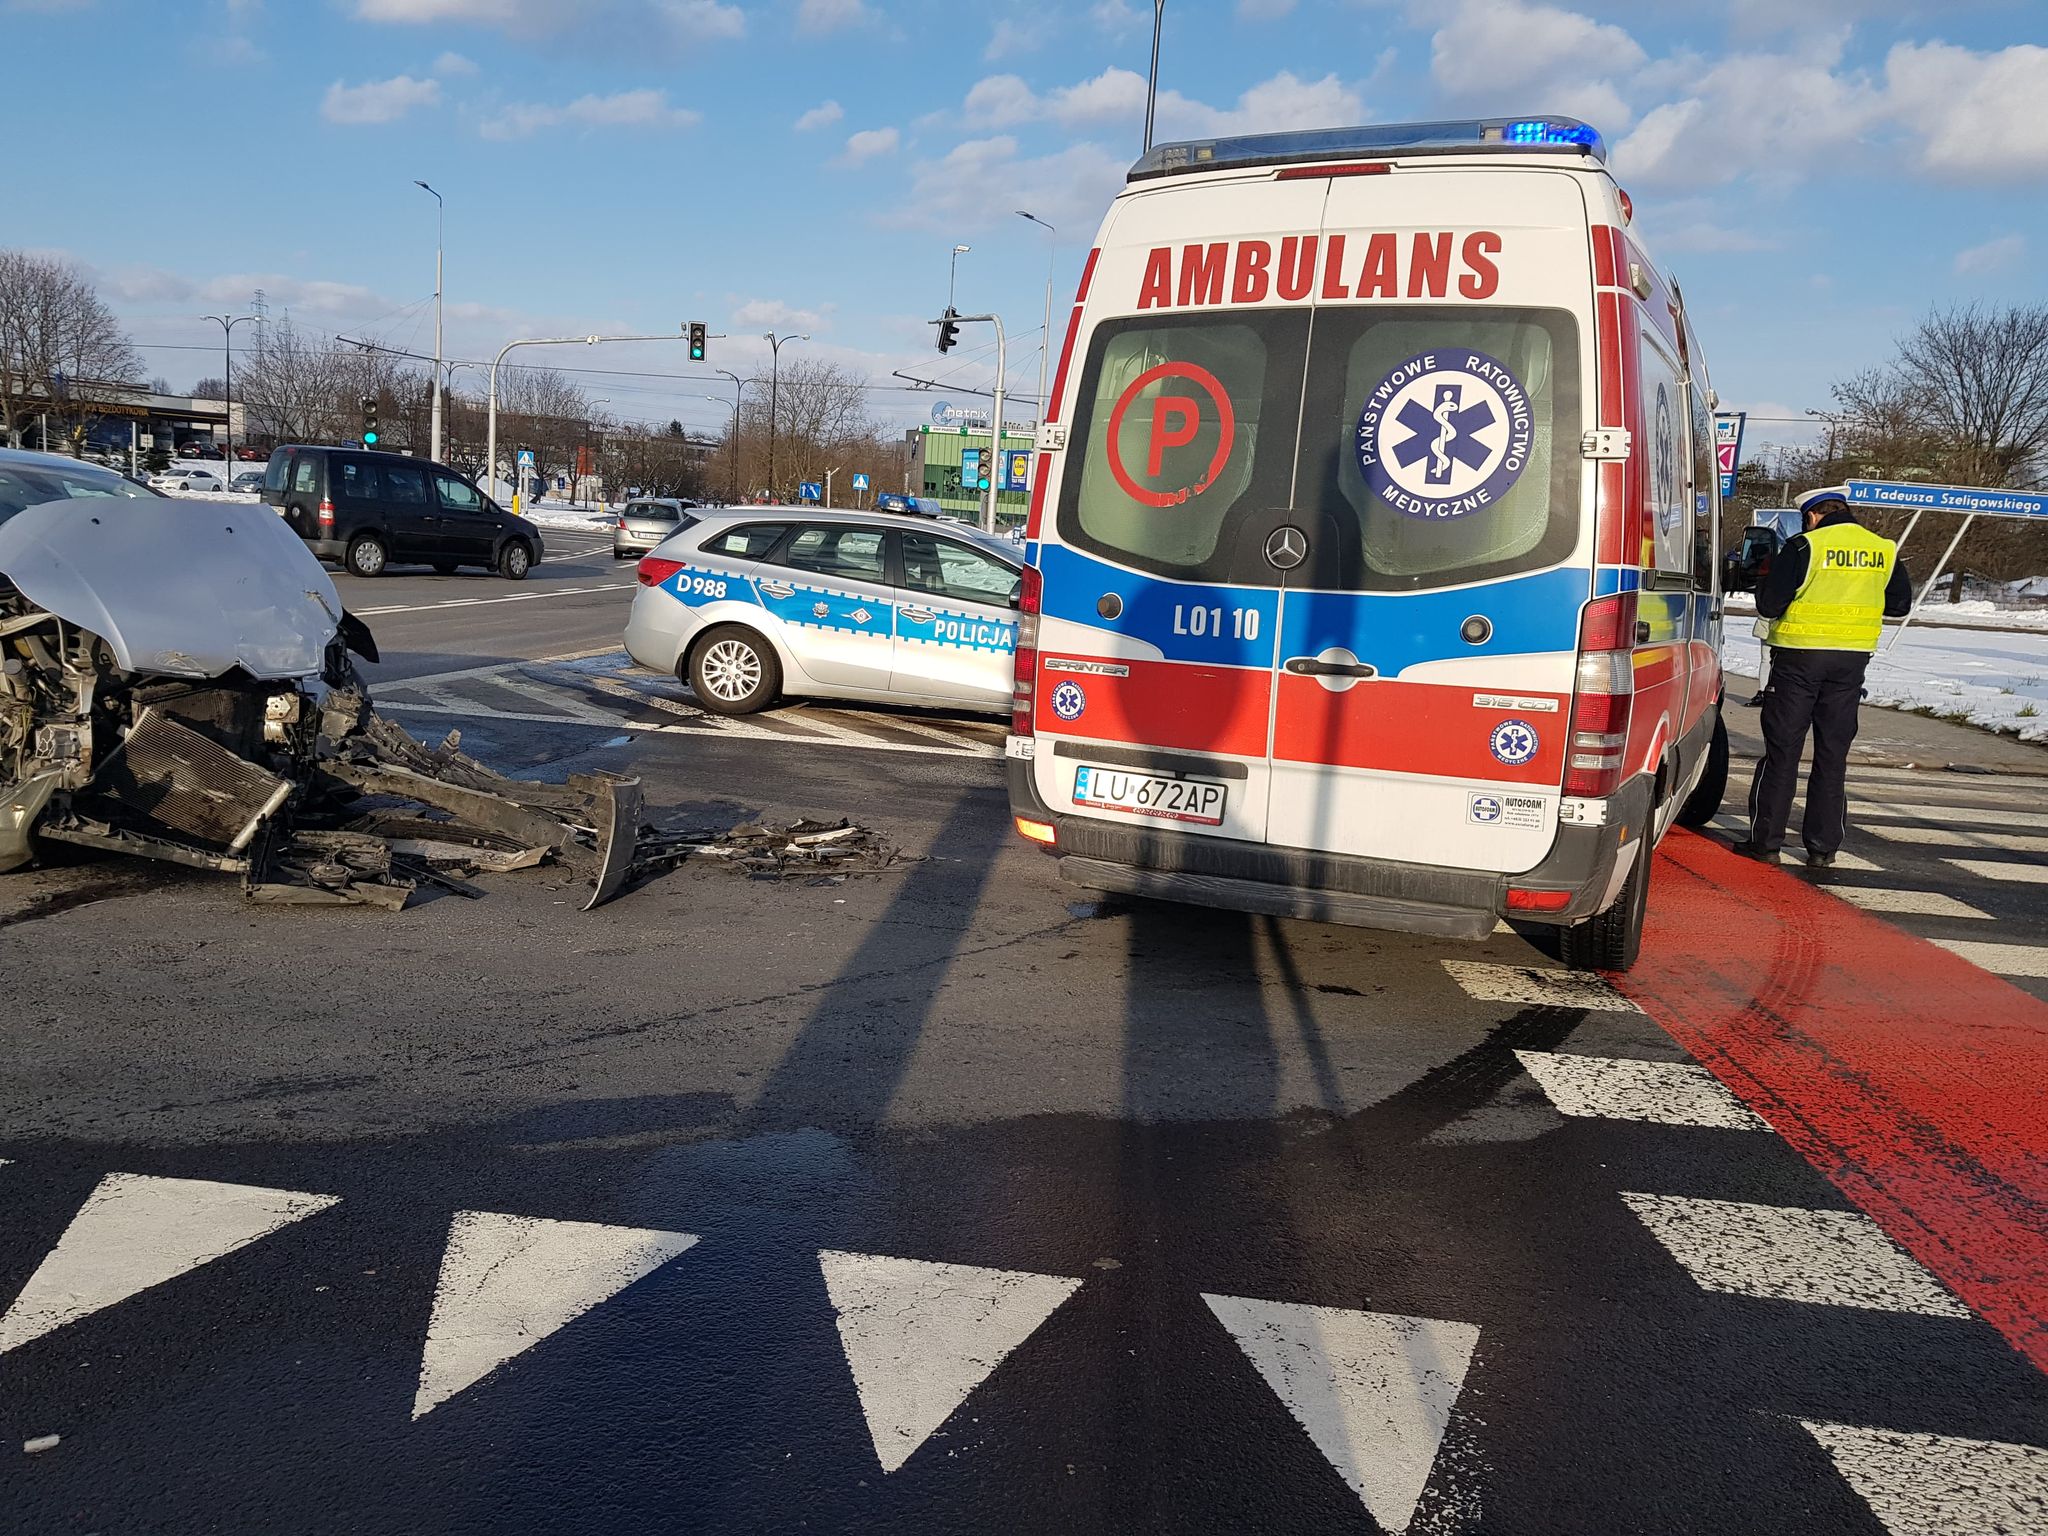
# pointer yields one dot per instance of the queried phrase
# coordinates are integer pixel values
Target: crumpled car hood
(184, 587)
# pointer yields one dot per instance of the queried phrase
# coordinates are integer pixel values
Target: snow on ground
(1997, 680)
(1973, 613)
(547, 512)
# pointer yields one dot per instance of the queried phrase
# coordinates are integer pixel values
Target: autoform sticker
(1445, 433)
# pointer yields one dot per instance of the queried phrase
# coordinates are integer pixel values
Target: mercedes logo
(1287, 548)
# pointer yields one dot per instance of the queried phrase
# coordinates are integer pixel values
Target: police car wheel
(1611, 940)
(733, 671)
(1704, 803)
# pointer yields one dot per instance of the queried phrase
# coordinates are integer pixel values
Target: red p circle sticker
(1176, 418)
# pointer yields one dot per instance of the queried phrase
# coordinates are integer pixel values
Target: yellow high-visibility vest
(1840, 605)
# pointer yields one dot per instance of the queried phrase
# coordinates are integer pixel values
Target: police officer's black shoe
(1820, 860)
(1757, 851)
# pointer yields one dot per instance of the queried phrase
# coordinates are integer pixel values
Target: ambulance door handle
(1310, 666)
(918, 615)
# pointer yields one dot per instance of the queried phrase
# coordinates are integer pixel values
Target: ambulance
(1373, 553)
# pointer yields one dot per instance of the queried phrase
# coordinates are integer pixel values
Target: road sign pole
(1921, 596)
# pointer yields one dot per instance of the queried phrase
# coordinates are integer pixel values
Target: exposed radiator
(170, 775)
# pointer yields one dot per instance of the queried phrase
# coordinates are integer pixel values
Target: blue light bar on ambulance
(1491, 135)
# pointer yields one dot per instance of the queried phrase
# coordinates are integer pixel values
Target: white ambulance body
(1375, 541)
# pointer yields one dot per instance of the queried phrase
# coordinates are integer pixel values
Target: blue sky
(1818, 172)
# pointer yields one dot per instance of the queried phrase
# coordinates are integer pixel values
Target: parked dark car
(1745, 566)
(372, 510)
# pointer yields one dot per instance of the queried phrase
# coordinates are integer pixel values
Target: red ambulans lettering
(1421, 265)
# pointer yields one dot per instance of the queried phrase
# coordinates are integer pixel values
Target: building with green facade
(936, 456)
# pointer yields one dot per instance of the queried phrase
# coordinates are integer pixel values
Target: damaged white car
(176, 683)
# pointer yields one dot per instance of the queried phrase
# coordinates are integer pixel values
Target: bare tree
(541, 409)
(1982, 376)
(1965, 402)
(821, 422)
(55, 337)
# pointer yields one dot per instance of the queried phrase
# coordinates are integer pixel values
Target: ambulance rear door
(1157, 647)
(1440, 544)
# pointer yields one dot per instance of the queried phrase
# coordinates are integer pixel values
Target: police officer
(1824, 605)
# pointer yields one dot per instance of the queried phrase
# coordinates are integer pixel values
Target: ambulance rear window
(1416, 445)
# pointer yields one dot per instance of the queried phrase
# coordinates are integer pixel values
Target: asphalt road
(955, 1199)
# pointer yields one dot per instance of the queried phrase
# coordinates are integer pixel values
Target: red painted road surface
(1913, 1080)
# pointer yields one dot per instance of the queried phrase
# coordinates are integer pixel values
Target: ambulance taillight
(1602, 697)
(1030, 598)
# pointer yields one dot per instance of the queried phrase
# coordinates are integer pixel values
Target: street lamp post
(440, 225)
(227, 389)
(491, 411)
(738, 384)
(774, 389)
(1045, 336)
(1152, 80)
(953, 272)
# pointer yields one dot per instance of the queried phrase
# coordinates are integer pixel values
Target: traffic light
(370, 421)
(697, 339)
(949, 332)
(975, 468)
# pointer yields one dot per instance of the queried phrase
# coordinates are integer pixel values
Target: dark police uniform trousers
(1817, 690)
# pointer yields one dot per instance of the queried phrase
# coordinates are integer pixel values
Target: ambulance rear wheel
(733, 671)
(1611, 940)
(1704, 803)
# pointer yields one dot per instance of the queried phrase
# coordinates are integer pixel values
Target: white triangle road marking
(507, 1282)
(920, 1336)
(1374, 1390)
(1937, 1485)
(135, 1231)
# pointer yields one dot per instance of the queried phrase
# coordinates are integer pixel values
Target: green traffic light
(369, 439)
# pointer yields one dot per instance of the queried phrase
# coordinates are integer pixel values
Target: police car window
(1184, 434)
(946, 569)
(1439, 444)
(750, 542)
(832, 549)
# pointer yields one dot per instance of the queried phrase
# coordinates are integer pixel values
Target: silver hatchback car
(752, 603)
(646, 520)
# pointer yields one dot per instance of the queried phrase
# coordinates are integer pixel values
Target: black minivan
(372, 510)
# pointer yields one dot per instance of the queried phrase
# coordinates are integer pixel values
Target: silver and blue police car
(755, 603)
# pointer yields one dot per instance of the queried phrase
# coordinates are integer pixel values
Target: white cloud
(775, 315)
(679, 20)
(1114, 16)
(623, 109)
(454, 64)
(1541, 57)
(1014, 37)
(1992, 256)
(816, 18)
(1118, 95)
(378, 101)
(870, 143)
(1072, 186)
(823, 115)
(1264, 10)
(1976, 114)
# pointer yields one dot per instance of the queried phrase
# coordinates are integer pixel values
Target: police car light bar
(1487, 135)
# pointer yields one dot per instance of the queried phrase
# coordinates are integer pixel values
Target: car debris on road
(832, 849)
(176, 684)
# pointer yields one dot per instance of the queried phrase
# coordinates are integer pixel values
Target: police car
(752, 604)
(1373, 568)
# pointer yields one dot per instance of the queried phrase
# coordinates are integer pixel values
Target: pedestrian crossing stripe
(1536, 987)
(1946, 814)
(1906, 903)
(1940, 1485)
(1658, 1092)
(1789, 1253)
(2029, 960)
(1955, 837)
(1995, 869)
